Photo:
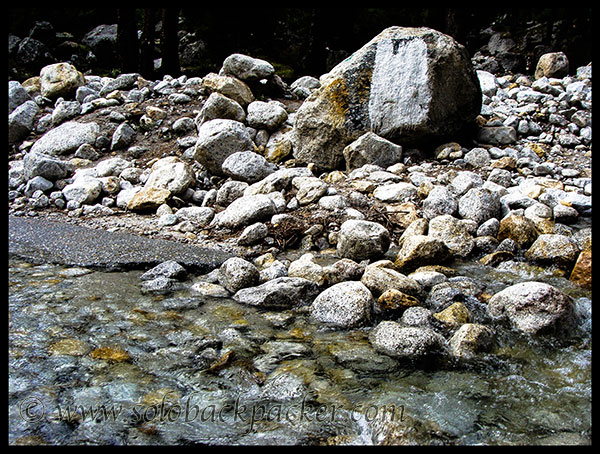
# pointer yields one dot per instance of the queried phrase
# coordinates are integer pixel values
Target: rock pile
(200, 159)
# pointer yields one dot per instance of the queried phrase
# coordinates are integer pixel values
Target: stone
(497, 135)
(553, 249)
(306, 267)
(479, 204)
(359, 240)
(371, 149)
(453, 233)
(265, 115)
(407, 342)
(471, 339)
(85, 189)
(310, 189)
(112, 167)
(245, 67)
(20, 121)
(236, 273)
(122, 137)
(343, 305)
(519, 229)
(220, 106)
(246, 210)
(169, 269)
(253, 234)
(279, 293)
(230, 191)
(17, 95)
(454, 315)
(378, 279)
(60, 80)
(247, 166)
(171, 173)
(229, 86)
(199, 216)
(533, 307)
(43, 165)
(439, 201)
(420, 250)
(217, 140)
(148, 199)
(553, 64)
(393, 301)
(407, 85)
(66, 138)
(582, 271)
(396, 192)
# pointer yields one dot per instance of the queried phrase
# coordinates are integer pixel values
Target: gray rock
(246, 210)
(371, 149)
(419, 250)
(169, 269)
(220, 106)
(392, 86)
(253, 234)
(479, 204)
(245, 67)
(412, 343)
(20, 121)
(60, 79)
(112, 167)
(171, 173)
(439, 201)
(310, 189)
(553, 249)
(122, 137)
(359, 240)
(478, 157)
(17, 95)
(304, 86)
(66, 138)
(247, 166)
(265, 115)
(378, 279)
(37, 184)
(217, 140)
(417, 316)
(85, 189)
(464, 181)
(396, 192)
(236, 273)
(279, 293)
(497, 135)
(65, 110)
(554, 64)
(230, 191)
(343, 305)
(199, 216)
(533, 307)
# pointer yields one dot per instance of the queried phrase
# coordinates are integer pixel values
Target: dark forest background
(297, 41)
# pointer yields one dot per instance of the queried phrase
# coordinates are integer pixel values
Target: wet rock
(279, 293)
(237, 273)
(375, 91)
(454, 315)
(412, 343)
(394, 301)
(420, 250)
(359, 240)
(553, 249)
(519, 229)
(453, 233)
(343, 305)
(582, 271)
(417, 316)
(378, 279)
(470, 340)
(533, 307)
(169, 269)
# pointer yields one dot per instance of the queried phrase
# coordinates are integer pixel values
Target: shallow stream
(93, 360)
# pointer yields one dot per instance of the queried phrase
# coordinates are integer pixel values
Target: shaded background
(297, 41)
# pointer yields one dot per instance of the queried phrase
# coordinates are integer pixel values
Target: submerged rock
(407, 342)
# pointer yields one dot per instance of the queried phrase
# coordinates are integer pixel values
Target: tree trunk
(127, 41)
(169, 44)
(147, 44)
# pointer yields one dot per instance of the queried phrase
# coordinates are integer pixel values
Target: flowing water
(94, 360)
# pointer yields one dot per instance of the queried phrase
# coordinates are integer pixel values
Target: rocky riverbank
(326, 202)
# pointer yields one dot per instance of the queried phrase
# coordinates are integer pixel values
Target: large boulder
(407, 85)
(66, 138)
(533, 307)
(60, 79)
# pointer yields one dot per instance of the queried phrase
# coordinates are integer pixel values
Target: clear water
(92, 360)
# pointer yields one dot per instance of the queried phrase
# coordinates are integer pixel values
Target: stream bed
(94, 360)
